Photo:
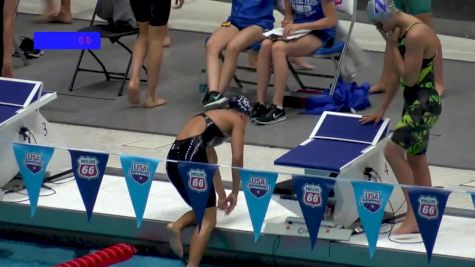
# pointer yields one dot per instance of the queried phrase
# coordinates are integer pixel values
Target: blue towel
(347, 97)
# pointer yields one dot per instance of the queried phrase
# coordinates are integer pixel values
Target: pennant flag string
(349, 180)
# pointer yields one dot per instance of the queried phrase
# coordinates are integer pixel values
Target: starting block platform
(21, 121)
(340, 147)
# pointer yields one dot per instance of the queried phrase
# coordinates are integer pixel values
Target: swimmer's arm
(410, 67)
(218, 183)
(330, 20)
(237, 147)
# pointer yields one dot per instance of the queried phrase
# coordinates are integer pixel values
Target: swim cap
(240, 103)
(378, 10)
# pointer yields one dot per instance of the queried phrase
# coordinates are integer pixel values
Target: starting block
(341, 148)
(20, 101)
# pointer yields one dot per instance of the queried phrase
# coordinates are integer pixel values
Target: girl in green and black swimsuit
(413, 46)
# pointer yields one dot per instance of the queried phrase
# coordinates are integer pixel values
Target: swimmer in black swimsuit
(413, 46)
(196, 143)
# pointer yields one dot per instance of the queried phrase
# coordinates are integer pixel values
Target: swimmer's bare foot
(152, 102)
(377, 88)
(301, 64)
(133, 93)
(408, 226)
(61, 17)
(166, 41)
(174, 238)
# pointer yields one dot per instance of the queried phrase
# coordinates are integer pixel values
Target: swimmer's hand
(231, 202)
(391, 37)
(178, 4)
(222, 203)
(374, 117)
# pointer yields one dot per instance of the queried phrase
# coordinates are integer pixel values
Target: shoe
(272, 116)
(213, 100)
(258, 110)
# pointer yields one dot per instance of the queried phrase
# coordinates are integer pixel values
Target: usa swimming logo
(380, 7)
(33, 161)
(371, 200)
(258, 186)
(139, 172)
(312, 195)
(88, 167)
(428, 207)
(197, 180)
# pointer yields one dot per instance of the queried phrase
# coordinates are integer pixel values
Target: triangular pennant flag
(198, 180)
(258, 187)
(88, 168)
(371, 200)
(139, 173)
(32, 160)
(429, 206)
(312, 193)
(473, 198)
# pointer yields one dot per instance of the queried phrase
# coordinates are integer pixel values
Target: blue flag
(429, 206)
(371, 200)
(258, 187)
(32, 160)
(139, 173)
(88, 168)
(198, 180)
(473, 198)
(312, 194)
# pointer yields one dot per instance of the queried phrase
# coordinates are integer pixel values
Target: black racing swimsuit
(194, 149)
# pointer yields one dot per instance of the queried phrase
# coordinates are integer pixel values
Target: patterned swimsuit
(422, 107)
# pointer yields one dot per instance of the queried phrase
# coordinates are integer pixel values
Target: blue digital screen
(67, 40)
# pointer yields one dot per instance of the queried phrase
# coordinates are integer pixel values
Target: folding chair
(114, 34)
(336, 53)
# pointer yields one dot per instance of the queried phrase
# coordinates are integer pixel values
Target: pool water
(22, 254)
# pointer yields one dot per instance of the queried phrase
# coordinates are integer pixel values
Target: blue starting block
(341, 148)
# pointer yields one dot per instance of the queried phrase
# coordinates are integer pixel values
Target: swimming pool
(23, 254)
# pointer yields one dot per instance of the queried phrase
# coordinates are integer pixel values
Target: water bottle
(203, 86)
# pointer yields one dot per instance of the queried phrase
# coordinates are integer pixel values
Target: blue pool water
(21, 254)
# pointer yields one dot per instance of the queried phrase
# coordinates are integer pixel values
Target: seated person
(248, 20)
(319, 17)
(298, 62)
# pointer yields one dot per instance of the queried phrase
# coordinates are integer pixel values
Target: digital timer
(67, 40)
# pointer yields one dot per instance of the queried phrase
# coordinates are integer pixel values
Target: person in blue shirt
(320, 17)
(244, 27)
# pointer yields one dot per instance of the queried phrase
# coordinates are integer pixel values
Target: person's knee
(279, 48)
(212, 47)
(266, 45)
(234, 48)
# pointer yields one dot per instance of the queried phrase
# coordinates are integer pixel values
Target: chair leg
(296, 75)
(126, 75)
(20, 53)
(71, 86)
(102, 65)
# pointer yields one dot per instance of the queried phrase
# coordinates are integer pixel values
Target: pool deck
(114, 217)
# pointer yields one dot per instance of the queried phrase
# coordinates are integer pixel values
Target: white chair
(336, 53)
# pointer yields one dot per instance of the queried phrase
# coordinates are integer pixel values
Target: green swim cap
(378, 10)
